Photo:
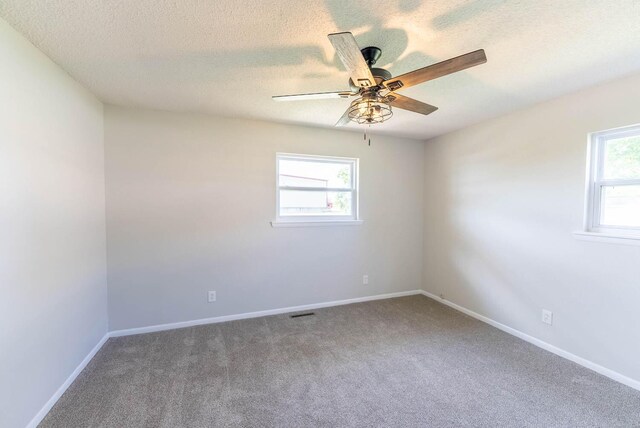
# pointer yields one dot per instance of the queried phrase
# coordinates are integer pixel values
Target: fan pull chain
(365, 136)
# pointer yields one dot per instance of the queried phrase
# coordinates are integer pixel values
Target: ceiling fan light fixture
(370, 109)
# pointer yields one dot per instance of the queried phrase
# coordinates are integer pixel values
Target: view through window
(615, 180)
(316, 187)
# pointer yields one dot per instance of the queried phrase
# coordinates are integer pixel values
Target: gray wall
(189, 201)
(501, 202)
(52, 227)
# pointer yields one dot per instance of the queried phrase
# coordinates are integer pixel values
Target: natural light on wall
(316, 189)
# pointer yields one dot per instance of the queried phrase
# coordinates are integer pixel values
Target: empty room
(323, 213)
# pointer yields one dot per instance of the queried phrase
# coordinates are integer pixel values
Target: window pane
(621, 206)
(301, 173)
(622, 158)
(303, 202)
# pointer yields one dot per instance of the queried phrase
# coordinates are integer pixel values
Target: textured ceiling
(227, 57)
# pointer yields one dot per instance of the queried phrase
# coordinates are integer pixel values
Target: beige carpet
(400, 362)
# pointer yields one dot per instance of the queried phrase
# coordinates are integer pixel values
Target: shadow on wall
(482, 208)
(501, 204)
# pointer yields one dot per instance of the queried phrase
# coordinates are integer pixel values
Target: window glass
(316, 188)
(622, 158)
(614, 182)
(305, 173)
(301, 202)
(621, 206)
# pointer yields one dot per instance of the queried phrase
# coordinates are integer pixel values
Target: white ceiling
(227, 57)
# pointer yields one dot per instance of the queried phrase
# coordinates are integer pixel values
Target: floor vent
(307, 314)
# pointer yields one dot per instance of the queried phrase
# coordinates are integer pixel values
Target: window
(613, 191)
(316, 189)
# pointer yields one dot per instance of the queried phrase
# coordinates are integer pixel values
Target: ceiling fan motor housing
(371, 55)
(379, 74)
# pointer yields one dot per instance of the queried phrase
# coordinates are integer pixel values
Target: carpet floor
(401, 362)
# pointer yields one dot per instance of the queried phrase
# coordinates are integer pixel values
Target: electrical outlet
(211, 296)
(547, 316)
(365, 279)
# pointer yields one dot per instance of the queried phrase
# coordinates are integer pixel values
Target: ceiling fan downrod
(371, 54)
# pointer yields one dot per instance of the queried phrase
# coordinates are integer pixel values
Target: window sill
(608, 237)
(316, 223)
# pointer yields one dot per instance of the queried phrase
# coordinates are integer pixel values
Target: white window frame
(595, 184)
(322, 220)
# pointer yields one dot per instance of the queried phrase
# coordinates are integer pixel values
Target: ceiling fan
(376, 88)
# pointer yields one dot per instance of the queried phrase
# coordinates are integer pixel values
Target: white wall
(52, 227)
(502, 199)
(189, 201)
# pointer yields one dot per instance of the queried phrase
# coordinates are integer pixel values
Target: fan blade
(312, 96)
(350, 55)
(434, 71)
(344, 119)
(410, 104)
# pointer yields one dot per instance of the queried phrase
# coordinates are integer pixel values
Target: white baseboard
(56, 396)
(161, 327)
(635, 384)
(202, 321)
